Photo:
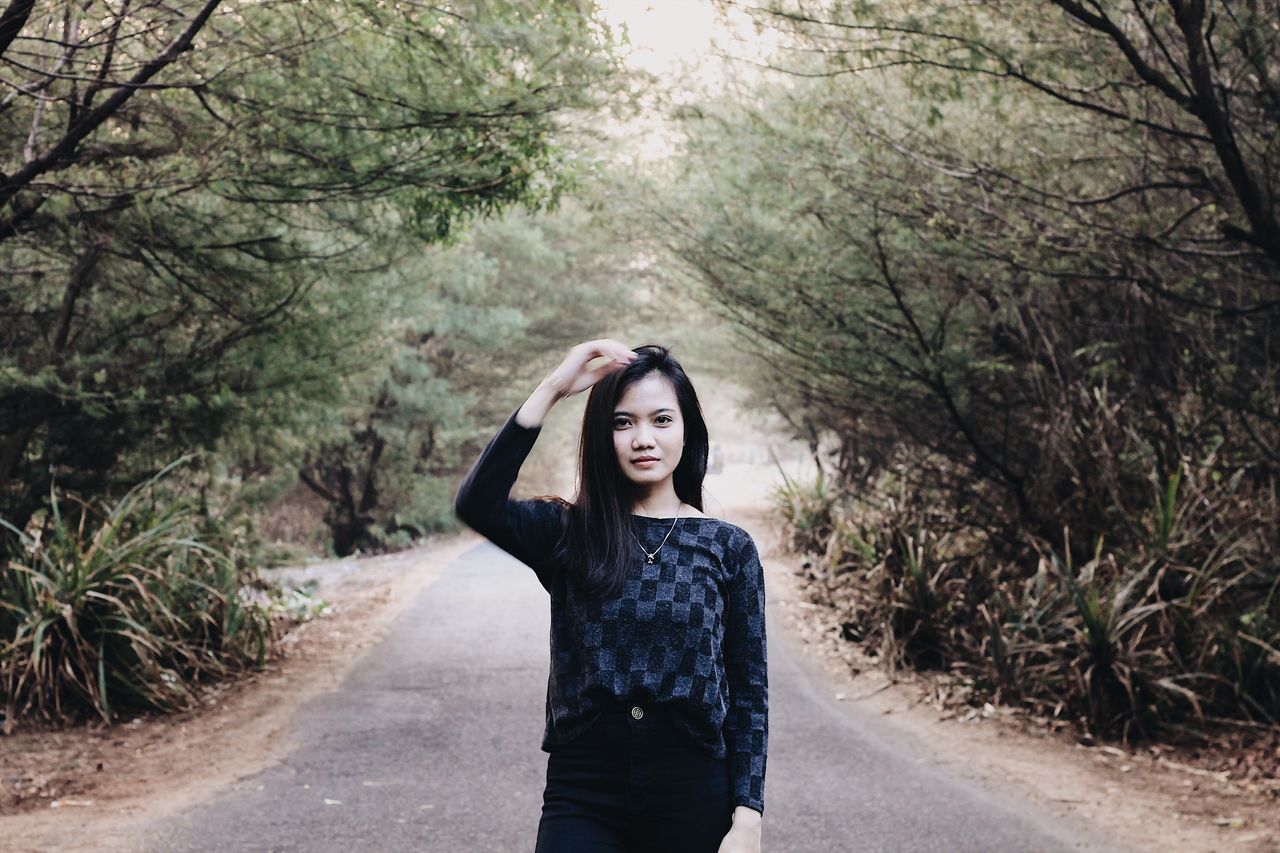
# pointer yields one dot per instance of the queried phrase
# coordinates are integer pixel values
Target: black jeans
(629, 785)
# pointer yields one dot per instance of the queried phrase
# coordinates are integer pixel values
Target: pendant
(650, 559)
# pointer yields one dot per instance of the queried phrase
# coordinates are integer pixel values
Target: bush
(1173, 635)
(131, 606)
(806, 512)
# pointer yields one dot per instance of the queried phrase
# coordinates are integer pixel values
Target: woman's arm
(544, 397)
(525, 529)
(747, 724)
(746, 668)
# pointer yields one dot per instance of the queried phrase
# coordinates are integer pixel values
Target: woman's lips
(644, 463)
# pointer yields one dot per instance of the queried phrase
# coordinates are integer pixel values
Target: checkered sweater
(687, 631)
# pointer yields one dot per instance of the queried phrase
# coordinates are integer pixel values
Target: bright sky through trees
(689, 45)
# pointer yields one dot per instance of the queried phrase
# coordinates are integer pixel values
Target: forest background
(273, 271)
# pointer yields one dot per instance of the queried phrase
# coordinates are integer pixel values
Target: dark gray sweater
(687, 631)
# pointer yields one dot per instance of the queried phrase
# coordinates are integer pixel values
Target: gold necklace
(649, 556)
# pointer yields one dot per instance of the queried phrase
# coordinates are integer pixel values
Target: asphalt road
(432, 744)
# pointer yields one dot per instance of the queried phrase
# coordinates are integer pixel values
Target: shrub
(1174, 633)
(806, 512)
(131, 606)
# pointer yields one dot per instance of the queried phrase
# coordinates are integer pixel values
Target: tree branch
(60, 154)
(13, 20)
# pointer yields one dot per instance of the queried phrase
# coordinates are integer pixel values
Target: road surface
(432, 744)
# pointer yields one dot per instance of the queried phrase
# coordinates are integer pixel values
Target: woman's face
(648, 431)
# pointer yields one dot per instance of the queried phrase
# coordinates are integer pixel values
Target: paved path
(432, 744)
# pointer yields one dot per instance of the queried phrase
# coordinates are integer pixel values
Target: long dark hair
(596, 545)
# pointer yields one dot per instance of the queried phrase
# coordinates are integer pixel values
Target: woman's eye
(617, 424)
(664, 418)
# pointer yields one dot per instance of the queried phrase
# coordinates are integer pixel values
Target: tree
(193, 199)
(1027, 284)
(491, 307)
(964, 255)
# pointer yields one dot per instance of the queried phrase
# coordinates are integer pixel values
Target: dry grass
(1175, 635)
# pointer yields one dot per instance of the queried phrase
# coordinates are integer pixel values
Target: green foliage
(491, 307)
(131, 606)
(214, 264)
(294, 603)
(806, 512)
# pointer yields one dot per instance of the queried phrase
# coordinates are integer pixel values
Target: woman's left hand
(741, 839)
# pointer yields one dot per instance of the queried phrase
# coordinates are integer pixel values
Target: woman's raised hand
(573, 375)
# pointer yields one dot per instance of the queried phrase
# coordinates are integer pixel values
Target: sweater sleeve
(746, 667)
(525, 529)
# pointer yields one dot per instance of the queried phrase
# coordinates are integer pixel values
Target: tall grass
(806, 510)
(1175, 632)
(132, 606)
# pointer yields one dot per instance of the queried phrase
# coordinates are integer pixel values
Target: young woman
(657, 699)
